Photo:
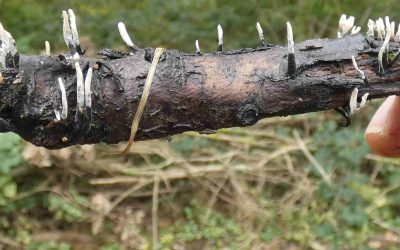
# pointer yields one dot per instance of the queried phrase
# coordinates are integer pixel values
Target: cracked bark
(189, 92)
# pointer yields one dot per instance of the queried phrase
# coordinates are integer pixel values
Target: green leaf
(325, 230)
(10, 190)
(10, 152)
(394, 179)
(354, 215)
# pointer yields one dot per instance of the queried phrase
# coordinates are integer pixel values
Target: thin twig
(127, 193)
(214, 197)
(154, 212)
(8, 242)
(387, 226)
(311, 158)
(170, 174)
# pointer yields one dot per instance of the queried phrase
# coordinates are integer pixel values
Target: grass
(242, 188)
(299, 182)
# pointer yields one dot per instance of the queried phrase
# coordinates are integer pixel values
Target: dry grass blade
(311, 158)
(5, 241)
(143, 100)
(126, 194)
(154, 212)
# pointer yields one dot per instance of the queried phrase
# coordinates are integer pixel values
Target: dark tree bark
(189, 92)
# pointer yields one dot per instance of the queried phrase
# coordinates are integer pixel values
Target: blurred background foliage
(242, 188)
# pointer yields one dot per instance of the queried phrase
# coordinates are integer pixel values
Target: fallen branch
(189, 92)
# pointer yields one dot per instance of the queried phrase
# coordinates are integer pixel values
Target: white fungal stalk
(66, 29)
(349, 24)
(47, 48)
(387, 22)
(58, 116)
(88, 91)
(371, 25)
(353, 101)
(74, 30)
(360, 72)
(290, 38)
(354, 105)
(364, 99)
(220, 35)
(388, 29)
(260, 32)
(397, 36)
(124, 35)
(198, 51)
(392, 30)
(70, 32)
(7, 46)
(384, 49)
(80, 92)
(342, 21)
(355, 30)
(380, 28)
(64, 101)
(346, 25)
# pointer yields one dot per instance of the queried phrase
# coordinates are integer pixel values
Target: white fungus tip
(397, 36)
(290, 38)
(346, 26)
(70, 32)
(7, 46)
(65, 18)
(355, 30)
(198, 51)
(387, 22)
(342, 20)
(260, 31)
(353, 101)
(74, 30)
(71, 12)
(220, 35)
(351, 20)
(364, 99)
(380, 28)
(392, 30)
(371, 25)
(124, 34)
(349, 25)
(384, 49)
(47, 48)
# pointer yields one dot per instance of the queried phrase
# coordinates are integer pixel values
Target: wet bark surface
(189, 92)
